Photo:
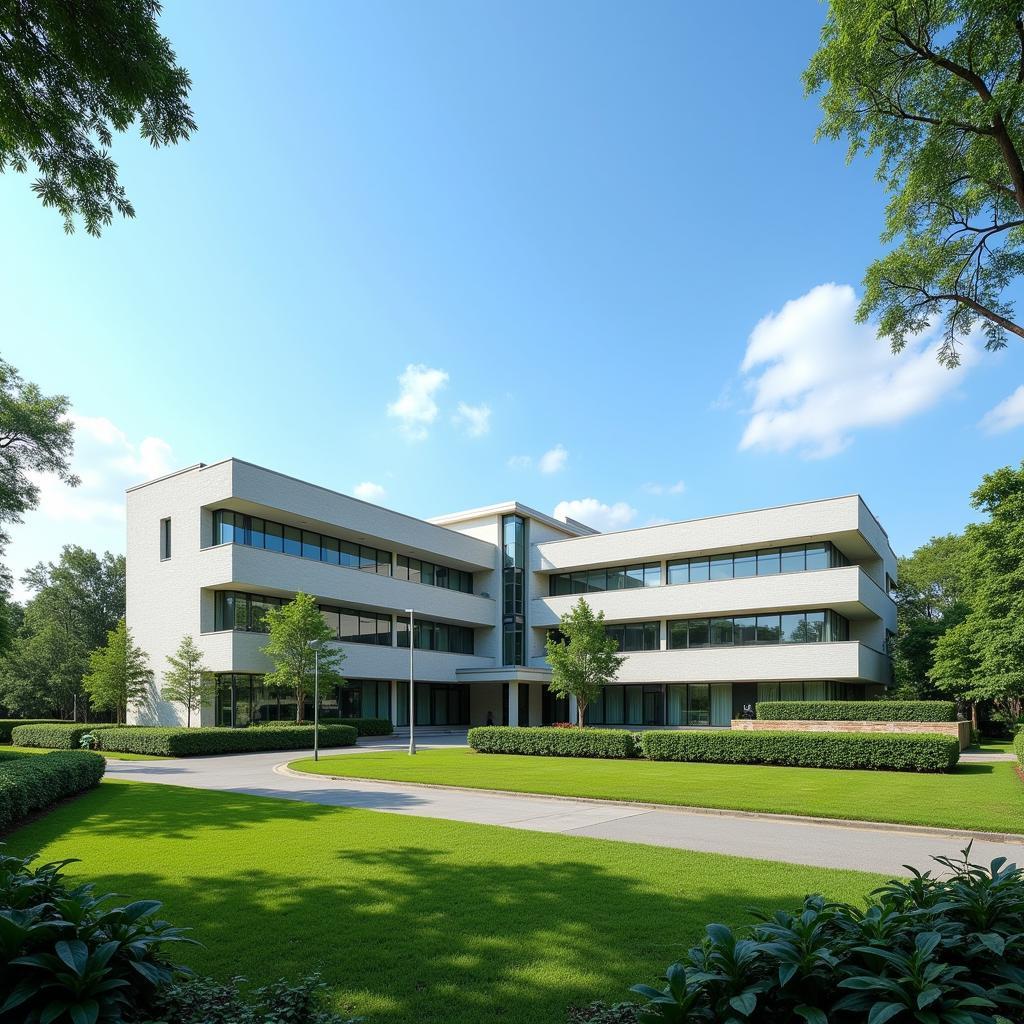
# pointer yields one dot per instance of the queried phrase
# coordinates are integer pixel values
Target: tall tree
(982, 658)
(119, 675)
(583, 659)
(935, 88)
(71, 74)
(291, 628)
(187, 681)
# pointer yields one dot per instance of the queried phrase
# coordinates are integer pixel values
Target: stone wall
(961, 729)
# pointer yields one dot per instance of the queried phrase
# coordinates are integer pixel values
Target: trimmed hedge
(1018, 747)
(886, 751)
(35, 781)
(180, 741)
(7, 724)
(548, 742)
(57, 735)
(857, 710)
(363, 726)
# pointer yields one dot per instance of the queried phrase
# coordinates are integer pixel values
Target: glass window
(273, 537)
(815, 627)
(745, 629)
(721, 567)
(676, 695)
(614, 705)
(349, 626)
(794, 628)
(256, 531)
(617, 579)
(634, 636)
(634, 576)
(563, 584)
(818, 556)
(349, 554)
(579, 582)
(331, 617)
(597, 580)
(677, 635)
(767, 691)
(652, 574)
(440, 576)
(330, 550)
(651, 636)
(241, 611)
(700, 570)
(768, 562)
(678, 572)
(793, 558)
(634, 705)
(311, 545)
(223, 531)
(428, 574)
(699, 635)
(745, 564)
(402, 567)
(240, 537)
(292, 541)
(768, 629)
(699, 711)
(721, 632)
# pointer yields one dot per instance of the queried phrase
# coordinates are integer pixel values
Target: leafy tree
(119, 675)
(291, 628)
(935, 88)
(982, 658)
(584, 659)
(77, 601)
(71, 74)
(188, 681)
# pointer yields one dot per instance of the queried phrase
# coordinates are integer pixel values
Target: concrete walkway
(864, 847)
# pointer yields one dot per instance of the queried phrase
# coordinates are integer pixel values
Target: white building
(712, 614)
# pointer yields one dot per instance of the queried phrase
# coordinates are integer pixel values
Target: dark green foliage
(7, 724)
(35, 781)
(857, 710)
(56, 735)
(204, 1001)
(1018, 747)
(931, 950)
(548, 742)
(602, 1013)
(68, 957)
(182, 742)
(71, 76)
(885, 751)
(364, 726)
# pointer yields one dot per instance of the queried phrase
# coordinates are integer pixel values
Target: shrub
(1018, 747)
(7, 724)
(35, 781)
(363, 726)
(550, 742)
(179, 741)
(56, 735)
(857, 710)
(67, 956)
(918, 753)
(923, 950)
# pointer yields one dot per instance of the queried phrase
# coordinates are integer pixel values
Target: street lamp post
(412, 698)
(314, 646)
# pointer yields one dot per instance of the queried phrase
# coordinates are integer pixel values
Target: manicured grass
(988, 797)
(991, 746)
(411, 919)
(13, 751)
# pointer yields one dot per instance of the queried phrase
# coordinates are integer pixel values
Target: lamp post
(314, 646)
(412, 698)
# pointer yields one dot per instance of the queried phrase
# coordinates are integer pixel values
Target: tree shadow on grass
(410, 919)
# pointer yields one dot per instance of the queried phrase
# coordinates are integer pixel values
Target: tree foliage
(187, 681)
(119, 676)
(982, 658)
(585, 659)
(71, 74)
(935, 90)
(291, 628)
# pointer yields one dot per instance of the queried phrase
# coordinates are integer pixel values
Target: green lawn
(411, 919)
(991, 746)
(988, 797)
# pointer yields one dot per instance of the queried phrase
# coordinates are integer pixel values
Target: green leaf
(881, 1012)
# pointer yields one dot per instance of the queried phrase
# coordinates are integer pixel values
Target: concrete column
(574, 709)
(513, 703)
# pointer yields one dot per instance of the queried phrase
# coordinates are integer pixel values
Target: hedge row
(857, 710)
(56, 735)
(363, 726)
(36, 781)
(886, 751)
(547, 742)
(7, 724)
(1018, 747)
(179, 741)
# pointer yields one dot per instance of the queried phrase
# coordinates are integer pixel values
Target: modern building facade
(712, 614)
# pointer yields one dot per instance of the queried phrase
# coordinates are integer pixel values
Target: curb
(284, 768)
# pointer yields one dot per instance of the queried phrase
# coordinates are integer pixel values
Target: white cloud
(553, 461)
(415, 407)
(519, 461)
(368, 491)
(1009, 413)
(474, 419)
(817, 376)
(677, 488)
(93, 514)
(596, 513)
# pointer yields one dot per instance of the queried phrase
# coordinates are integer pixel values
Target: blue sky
(603, 230)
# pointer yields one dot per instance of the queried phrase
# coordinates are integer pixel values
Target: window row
(635, 636)
(234, 528)
(623, 577)
(743, 630)
(415, 570)
(436, 636)
(357, 627)
(764, 562)
(242, 699)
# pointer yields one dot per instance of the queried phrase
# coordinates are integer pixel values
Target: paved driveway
(866, 848)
